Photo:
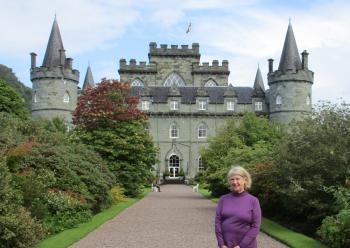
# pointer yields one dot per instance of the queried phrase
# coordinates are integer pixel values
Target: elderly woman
(238, 214)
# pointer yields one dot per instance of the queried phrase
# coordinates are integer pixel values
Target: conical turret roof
(52, 54)
(290, 59)
(89, 80)
(258, 82)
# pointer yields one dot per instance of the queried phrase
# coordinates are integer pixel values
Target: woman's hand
(237, 246)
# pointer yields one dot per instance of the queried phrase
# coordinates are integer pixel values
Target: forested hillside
(7, 75)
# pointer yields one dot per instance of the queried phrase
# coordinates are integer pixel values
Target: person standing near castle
(238, 214)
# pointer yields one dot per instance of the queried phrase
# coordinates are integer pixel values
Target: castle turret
(89, 80)
(55, 83)
(290, 85)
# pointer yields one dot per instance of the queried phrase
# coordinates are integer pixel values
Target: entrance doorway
(174, 166)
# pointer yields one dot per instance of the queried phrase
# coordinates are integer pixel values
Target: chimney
(33, 60)
(270, 65)
(304, 60)
(69, 63)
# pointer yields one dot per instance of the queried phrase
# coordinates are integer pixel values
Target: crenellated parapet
(303, 76)
(174, 51)
(214, 68)
(133, 67)
(55, 73)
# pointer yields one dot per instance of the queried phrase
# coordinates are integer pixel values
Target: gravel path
(173, 218)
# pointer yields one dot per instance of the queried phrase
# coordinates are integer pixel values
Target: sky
(245, 32)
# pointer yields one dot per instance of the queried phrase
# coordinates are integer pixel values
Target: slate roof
(160, 94)
(89, 80)
(55, 44)
(290, 59)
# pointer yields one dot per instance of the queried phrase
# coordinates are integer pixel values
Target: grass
(70, 236)
(278, 232)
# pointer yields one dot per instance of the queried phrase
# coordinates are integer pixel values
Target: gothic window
(174, 105)
(202, 130)
(201, 167)
(278, 100)
(174, 79)
(308, 100)
(258, 106)
(210, 83)
(35, 97)
(202, 105)
(173, 131)
(230, 105)
(174, 161)
(137, 82)
(66, 97)
(145, 105)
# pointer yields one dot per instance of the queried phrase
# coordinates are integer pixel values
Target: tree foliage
(246, 142)
(7, 75)
(11, 102)
(107, 119)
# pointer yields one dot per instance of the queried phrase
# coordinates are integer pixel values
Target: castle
(186, 100)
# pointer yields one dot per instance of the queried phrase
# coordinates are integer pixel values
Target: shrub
(117, 194)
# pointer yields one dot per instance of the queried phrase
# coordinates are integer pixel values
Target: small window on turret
(308, 100)
(66, 97)
(278, 100)
(35, 97)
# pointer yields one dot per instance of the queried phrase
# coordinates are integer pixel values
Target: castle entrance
(174, 166)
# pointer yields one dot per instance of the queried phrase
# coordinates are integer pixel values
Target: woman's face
(237, 183)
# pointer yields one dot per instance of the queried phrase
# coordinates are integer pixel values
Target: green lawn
(68, 237)
(286, 236)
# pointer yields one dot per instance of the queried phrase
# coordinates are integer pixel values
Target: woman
(238, 214)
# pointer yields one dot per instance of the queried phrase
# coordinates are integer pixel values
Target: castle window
(230, 105)
(202, 105)
(66, 97)
(35, 97)
(278, 100)
(201, 166)
(145, 105)
(258, 106)
(202, 130)
(137, 82)
(173, 132)
(174, 79)
(174, 105)
(210, 83)
(308, 100)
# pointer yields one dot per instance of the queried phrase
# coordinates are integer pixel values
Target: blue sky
(245, 32)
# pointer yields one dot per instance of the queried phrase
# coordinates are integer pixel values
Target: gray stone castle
(186, 99)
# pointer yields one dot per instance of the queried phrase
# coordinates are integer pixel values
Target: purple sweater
(237, 221)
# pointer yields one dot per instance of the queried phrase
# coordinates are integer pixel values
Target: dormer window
(210, 83)
(258, 106)
(145, 104)
(174, 79)
(202, 105)
(137, 82)
(174, 105)
(66, 97)
(230, 105)
(278, 100)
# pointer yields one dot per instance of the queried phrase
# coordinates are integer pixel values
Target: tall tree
(107, 118)
(11, 102)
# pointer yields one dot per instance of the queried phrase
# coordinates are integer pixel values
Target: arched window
(66, 97)
(278, 100)
(137, 82)
(174, 161)
(35, 97)
(173, 131)
(202, 130)
(308, 100)
(210, 83)
(201, 167)
(174, 79)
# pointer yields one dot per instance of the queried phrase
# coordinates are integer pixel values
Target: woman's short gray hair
(238, 170)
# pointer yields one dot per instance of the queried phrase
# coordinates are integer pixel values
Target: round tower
(55, 83)
(291, 85)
